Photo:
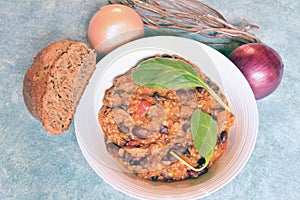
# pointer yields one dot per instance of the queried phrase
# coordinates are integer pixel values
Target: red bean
(113, 149)
(140, 132)
(154, 178)
(122, 128)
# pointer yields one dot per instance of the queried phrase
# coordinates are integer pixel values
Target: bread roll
(54, 83)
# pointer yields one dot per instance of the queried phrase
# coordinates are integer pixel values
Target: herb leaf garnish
(204, 132)
(173, 74)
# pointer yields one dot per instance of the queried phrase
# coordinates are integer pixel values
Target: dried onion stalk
(192, 17)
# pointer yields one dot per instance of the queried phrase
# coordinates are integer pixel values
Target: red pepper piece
(143, 107)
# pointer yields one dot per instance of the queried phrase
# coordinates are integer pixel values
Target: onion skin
(114, 25)
(261, 65)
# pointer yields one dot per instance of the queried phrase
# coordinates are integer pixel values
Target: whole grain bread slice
(55, 82)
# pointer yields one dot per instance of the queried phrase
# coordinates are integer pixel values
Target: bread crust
(36, 84)
(35, 80)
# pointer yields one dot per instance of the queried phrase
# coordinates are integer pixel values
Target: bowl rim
(167, 42)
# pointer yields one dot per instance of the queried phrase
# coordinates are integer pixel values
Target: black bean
(212, 85)
(122, 128)
(113, 149)
(166, 56)
(169, 180)
(156, 96)
(124, 106)
(140, 132)
(187, 153)
(215, 88)
(223, 136)
(126, 156)
(164, 130)
(154, 178)
(134, 162)
(201, 90)
(214, 117)
(185, 127)
(46, 66)
(144, 160)
(207, 80)
(201, 162)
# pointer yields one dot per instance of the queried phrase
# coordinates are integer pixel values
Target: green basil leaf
(204, 133)
(165, 73)
(168, 73)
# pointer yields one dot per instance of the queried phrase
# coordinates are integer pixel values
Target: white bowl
(233, 84)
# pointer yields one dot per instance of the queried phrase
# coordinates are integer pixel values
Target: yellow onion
(114, 25)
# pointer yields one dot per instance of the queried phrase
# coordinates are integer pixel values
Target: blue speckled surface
(37, 165)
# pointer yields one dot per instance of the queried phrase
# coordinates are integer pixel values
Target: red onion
(261, 66)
